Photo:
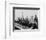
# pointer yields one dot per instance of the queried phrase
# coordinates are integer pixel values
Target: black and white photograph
(25, 18)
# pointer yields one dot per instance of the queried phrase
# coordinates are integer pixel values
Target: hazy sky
(29, 13)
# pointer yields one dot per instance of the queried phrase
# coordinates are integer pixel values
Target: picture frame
(9, 21)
